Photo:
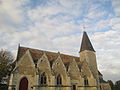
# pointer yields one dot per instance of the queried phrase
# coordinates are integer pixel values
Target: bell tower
(87, 53)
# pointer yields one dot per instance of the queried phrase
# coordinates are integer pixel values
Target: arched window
(59, 80)
(86, 81)
(43, 79)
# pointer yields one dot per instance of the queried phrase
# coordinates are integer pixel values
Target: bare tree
(117, 85)
(6, 60)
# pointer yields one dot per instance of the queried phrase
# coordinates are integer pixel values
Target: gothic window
(43, 79)
(59, 80)
(86, 81)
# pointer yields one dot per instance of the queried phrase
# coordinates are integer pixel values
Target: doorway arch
(23, 84)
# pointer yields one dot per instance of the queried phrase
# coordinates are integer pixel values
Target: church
(45, 70)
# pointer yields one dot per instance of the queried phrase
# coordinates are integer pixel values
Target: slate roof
(37, 54)
(102, 80)
(86, 44)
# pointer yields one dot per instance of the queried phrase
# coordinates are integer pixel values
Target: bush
(3, 87)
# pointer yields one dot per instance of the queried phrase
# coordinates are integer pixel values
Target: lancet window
(59, 80)
(86, 83)
(43, 79)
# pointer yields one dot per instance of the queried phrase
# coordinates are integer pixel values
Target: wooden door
(23, 84)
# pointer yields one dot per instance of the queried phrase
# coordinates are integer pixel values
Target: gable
(43, 64)
(73, 70)
(25, 64)
(58, 67)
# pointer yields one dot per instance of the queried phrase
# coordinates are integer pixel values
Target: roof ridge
(48, 51)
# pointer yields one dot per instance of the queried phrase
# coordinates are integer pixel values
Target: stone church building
(45, 70)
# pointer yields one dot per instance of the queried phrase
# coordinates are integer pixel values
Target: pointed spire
(86, 44)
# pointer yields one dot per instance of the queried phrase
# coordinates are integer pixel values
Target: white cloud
(59, 8)
(110, 38)
(102, 24)
(117, 11)
(114, 21)
(95, 14)
(107, 44)
(68, 44)
(116, 27)
(116, 7)
(110, 70)
(95, 11)
(57, 25)
(10, 11)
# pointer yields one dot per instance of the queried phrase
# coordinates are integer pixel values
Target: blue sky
(57, 25)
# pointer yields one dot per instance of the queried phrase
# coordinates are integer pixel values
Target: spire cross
(84, 28)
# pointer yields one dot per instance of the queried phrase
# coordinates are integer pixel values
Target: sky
(57, 25)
